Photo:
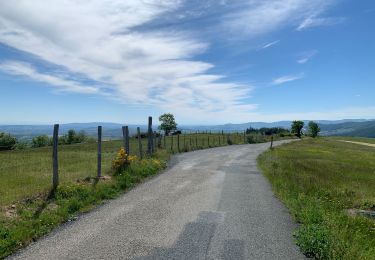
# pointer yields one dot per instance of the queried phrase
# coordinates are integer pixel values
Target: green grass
(26, 182)
(320, 180)
(37, 216)
(24, 173)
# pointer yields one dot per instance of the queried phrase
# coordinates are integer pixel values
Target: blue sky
(207, 62)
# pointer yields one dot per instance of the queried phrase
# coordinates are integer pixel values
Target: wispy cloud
(319, 21)
(287, 78)
(306, 56)
(268, 45)
(259, 17)
(25, 69)
(103, 41)
(96, 39)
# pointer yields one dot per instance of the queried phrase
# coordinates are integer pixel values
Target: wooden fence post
(154, 141)
(271, 142)
(127, 146)
(139, 142)
(178, 142)
(149, 136)
(55, 160)
(99, 151)
(172, 143)
(124, 137)
(184, 141)
(244, 137)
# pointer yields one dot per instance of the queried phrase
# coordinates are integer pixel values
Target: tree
(297, 128)
(314, 129)
(168, 123)
(7, 141)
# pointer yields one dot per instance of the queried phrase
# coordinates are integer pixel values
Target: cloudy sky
(213, 61)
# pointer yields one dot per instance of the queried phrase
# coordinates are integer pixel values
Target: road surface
(210, 204)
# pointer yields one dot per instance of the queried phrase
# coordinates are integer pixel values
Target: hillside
(359, 129)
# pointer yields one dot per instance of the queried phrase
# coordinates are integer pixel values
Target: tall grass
(322, 181)
(24, 173)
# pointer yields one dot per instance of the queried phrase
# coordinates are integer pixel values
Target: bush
(21, 145)
(251, 140)
(7, 141)
(73, 138)
(41, 141)
(122, 161)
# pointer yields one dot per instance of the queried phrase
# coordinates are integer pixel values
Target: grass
(320, 180)
(24, 173)
(28, 207)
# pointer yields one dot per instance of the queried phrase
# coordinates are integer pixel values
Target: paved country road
(210, 204)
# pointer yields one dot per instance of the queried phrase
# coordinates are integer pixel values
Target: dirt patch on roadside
(360, 143)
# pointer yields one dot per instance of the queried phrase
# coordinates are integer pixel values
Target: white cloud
(319, 21)
(268, 45)
(100, 40)
(287, 78)
(96, 39)
(25, 69)
(306, 56)
(260, 17)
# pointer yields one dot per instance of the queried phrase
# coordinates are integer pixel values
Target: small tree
(168, 123)
(314, 129)
(7, 141)
(297, 128)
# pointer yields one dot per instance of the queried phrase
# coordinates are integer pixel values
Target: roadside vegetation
(326, 183)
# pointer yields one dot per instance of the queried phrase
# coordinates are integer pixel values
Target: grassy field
(24, 173)
(324, 182)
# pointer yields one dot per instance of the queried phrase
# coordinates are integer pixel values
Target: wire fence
(27, 172)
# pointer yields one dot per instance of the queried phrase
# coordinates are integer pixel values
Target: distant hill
(346, 127)
(27, 132)
(360, 129)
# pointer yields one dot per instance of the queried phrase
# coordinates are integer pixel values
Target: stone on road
(211, 204)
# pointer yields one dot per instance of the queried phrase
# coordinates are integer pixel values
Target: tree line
(9, 142)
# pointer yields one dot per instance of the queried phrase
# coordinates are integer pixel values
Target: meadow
(325, 182)
(24, 173)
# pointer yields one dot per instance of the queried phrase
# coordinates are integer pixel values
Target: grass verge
(323, 181)
(32, 218)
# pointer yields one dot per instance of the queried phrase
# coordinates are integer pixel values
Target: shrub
(7, 141)
(21, 145)
(73, 138)
(122, 161)
(40, 141)
(251, 140)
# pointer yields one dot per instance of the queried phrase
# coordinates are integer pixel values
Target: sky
(207, 62)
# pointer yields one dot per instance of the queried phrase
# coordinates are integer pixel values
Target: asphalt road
(210, 204)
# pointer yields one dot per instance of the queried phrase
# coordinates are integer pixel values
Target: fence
(27, 172)
(154, 141)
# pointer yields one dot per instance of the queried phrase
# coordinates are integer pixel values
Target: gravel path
(211, 204)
